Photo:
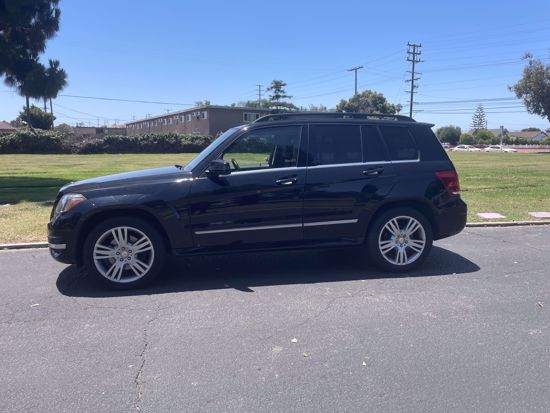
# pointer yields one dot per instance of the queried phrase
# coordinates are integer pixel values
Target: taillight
(449, 179)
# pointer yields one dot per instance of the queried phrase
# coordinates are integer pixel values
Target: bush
(32, 141)
(466, 139)
(152, 143)
(450, 134)
(36, 118)
(39, 141)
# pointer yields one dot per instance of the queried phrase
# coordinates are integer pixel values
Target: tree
(486, 137)
(278, 92)
(25, 26)
(55, 80)
(36, 118)
(320, 108)
(534, 87)
(531, 130)
(450, 134)
(203, 103)
(479, 120)
(367, 102)
(264, 103)
(466, 139)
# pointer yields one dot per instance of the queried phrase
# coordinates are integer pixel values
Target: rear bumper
(451, 219)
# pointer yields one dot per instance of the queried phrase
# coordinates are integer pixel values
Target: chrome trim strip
(336, 165)
(286, 168)
(217, 231)
(307, 224)
(320, 223)
(58, 246)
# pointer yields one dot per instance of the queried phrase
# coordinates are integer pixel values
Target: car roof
(339, 117)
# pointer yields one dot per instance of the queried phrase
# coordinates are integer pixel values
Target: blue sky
(185, 51)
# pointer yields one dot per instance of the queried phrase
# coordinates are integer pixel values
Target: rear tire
(124, 253)
(399, 240)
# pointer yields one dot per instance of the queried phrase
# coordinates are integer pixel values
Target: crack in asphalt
(138, 382)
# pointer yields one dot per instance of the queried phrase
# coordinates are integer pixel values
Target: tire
(391, 244)
(110, 254)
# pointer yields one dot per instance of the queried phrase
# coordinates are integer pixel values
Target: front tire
(124, 253)
(399, 240)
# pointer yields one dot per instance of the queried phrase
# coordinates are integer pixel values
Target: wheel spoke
(111, 271)
(416, 245)
(386, 246)
(102, 252)
(393, 227)
(411, 227)
(142, 245)
(139, 267)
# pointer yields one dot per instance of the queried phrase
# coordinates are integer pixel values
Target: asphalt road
(468, 332)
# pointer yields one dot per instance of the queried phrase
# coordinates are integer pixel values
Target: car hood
(140, 177)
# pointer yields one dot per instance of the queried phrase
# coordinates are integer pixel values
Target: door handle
(287, 181)
(373, 171)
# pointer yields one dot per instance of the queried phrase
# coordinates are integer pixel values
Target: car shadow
(246, 271)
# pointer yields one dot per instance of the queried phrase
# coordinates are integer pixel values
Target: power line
(412, 56)
(467, 101)
(127, 100)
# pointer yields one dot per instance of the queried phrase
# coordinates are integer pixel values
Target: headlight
(67, 202)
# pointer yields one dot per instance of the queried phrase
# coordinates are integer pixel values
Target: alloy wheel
(402, 240)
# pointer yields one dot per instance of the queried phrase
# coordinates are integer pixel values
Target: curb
(23, 246)
(468, 225)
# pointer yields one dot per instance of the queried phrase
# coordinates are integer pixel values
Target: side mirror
(218, 167)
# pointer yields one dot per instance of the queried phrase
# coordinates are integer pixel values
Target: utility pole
(412, 56)
(259, 96)
(501, 134)
(355, 69)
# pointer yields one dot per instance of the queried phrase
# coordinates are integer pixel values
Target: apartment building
(206, 120)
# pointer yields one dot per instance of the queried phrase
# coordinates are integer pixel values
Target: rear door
(348, 172)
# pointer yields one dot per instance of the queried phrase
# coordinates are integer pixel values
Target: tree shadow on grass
(15, 189)
(246, 271)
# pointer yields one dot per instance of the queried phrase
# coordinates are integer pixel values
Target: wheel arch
(100, 216)
(420, 206)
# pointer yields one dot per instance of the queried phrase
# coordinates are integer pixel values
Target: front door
(260, 202)
(348, 173)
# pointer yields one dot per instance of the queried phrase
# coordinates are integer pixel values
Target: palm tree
(55, 82)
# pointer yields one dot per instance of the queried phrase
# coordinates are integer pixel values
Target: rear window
(400, 143)
(334, 144)
(373, 147)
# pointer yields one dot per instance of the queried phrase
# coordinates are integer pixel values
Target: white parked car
(466, 148)
(499, 148)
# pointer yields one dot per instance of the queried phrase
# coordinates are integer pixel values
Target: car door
(348, 173)
(260, 202)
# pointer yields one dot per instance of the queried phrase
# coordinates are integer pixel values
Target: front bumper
(62, 244)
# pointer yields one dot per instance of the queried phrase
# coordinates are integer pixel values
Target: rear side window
(429, 146)
(373, 147)
(334, 144)
(400, 143)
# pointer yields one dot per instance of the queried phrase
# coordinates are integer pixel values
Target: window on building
(334, 144)
(250, 117)
(204, 114)
(189, 117)
(400, 143)
(266, 148)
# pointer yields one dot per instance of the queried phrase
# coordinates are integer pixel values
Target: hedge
(38, 141)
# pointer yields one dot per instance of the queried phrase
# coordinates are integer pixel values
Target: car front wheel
(400, 240)
(124, 253)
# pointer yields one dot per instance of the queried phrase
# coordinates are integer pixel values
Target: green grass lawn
(511, 184)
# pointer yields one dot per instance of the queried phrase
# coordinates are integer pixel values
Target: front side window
(334, 144)
(265, 148)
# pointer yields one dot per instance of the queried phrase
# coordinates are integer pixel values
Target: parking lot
(299, 331)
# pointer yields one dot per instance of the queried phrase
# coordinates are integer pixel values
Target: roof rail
(332, 115)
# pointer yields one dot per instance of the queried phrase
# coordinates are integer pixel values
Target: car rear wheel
(400, 239)
(124, 253)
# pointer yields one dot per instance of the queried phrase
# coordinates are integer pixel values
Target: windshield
(209, 149)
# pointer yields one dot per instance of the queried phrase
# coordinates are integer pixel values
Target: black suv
(284, 181)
